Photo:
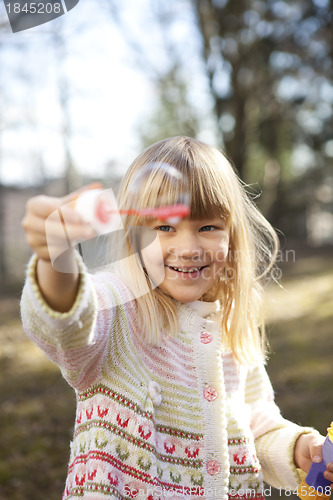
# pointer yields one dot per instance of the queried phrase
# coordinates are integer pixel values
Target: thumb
(75, 194)
(316, 447)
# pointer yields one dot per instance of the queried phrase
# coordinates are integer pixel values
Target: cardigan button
(210, 393)
(213, 467)
(205, 337)
(154, 392)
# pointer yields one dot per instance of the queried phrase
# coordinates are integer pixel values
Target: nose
(187, 246)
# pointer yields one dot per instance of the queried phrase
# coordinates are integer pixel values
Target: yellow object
(306, 492)
(330, 432)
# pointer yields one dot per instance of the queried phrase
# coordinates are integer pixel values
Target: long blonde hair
(215, 190)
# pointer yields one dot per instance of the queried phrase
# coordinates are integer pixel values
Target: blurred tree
(2, 224)
(269, 64)
(163, 56)
(6, 123)
(173, 114)
(20, 83)
(72, 177)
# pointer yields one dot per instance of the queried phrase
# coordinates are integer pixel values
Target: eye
(209, 227)
(164, 229)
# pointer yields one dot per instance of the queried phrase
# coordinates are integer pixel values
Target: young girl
(173, 400)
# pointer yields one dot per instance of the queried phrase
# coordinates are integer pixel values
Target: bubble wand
(98, 207)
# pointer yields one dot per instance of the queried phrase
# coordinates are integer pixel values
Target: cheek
(152, 253)
(153, 262)
(221, 251)
(151, 249)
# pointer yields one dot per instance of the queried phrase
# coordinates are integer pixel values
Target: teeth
(184, 270)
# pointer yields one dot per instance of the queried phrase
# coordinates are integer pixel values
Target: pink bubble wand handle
(163, 213)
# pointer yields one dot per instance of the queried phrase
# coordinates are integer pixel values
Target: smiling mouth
(187, 269)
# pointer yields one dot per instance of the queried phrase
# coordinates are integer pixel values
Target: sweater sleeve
(275, 437)
(77, 340)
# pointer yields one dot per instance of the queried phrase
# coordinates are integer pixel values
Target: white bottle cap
(99, 207)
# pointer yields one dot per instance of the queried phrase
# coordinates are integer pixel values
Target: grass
(300, 319)
(37, 406)
(36, 418)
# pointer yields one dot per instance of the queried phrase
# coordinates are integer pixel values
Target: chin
(184, 298)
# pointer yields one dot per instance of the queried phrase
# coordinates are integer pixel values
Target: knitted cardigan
(180, 420)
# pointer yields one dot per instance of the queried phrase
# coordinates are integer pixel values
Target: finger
(42, 205)
(328, 474)
(67, 216)
(35, 240)
(55, 228)
(47, 247)
(316, 453)
(72, 196)
(34, 224)
(59, 231)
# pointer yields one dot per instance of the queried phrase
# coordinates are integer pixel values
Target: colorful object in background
(315, 486)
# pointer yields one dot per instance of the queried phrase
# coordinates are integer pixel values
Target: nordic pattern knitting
(129, 440)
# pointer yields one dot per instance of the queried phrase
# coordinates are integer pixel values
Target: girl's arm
(64, 228)
(58, 309)
(58, 289)
(67, 338)
(78, 341)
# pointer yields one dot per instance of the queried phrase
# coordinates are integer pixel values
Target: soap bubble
(159, 191)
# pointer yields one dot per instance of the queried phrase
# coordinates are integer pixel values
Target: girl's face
(187, 257)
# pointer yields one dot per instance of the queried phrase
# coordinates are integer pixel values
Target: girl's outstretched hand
(44, 228)
(308, 449)
(52, 228)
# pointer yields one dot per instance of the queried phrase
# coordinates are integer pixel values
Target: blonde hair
(215, 191)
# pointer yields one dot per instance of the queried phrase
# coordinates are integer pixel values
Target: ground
(37, 406)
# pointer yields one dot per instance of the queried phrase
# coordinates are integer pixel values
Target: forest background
(79, 99)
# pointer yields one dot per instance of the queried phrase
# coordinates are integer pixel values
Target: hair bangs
(156, 185)
(187, 173)
(205, 201)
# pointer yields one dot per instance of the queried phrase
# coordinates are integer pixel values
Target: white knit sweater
(179, 420)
